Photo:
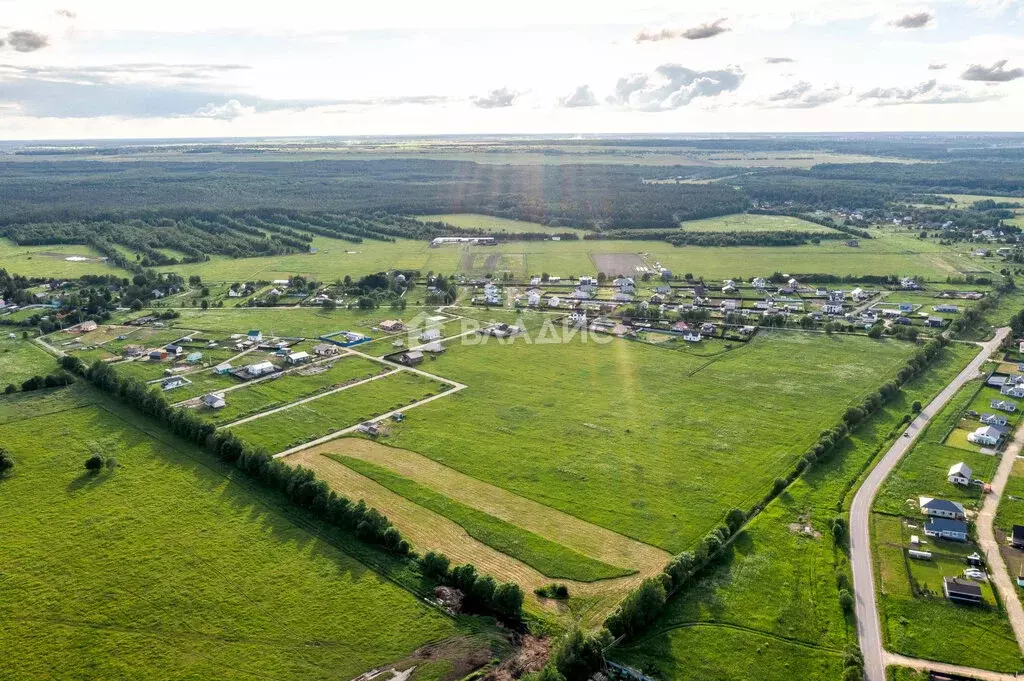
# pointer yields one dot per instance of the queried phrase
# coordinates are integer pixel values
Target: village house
(1016, 391)
(941, 508)
(214, 401)
(430, 335)
(985, 435)
(173, 350)
(391, 325)
(298, 357)
(832, 308)
(578, 318)
(959, 474)
(174, 382)
(222, 369)
(946, 528)
(260, 369)
(707, 328)
(993, 419)
(325, 350)
(961, 590)
(233, 293)
(156, 293)
(554, 301)
(255, 336)
(1003, 405)
(194, 357)
(759, 283)
(729, 286)
(935, 322)
(434, 348)
(84, 327)
(533, 299)
(158, 355)
(692, 337)
(945, 308)
(858, 294)
(411, 358)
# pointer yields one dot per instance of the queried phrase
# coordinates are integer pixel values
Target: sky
(114, 69)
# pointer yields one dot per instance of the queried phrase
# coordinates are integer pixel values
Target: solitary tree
(94, 463)
(6, 462)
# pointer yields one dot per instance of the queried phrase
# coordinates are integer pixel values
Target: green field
(551, 559)
(777, 582)
(288, 388)
(300, 322)
(22, 359)
(51, 261)
(745, 222)
(891, 252)
(631, 437)
(174, 567)
(489, 223)
(305, 422)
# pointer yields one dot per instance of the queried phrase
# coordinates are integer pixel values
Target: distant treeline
(613, 196)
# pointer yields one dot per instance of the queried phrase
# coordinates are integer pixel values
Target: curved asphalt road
(868, 628)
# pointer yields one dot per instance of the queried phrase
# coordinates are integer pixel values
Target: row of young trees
(645, 603)
(302, 487)
(57, 380)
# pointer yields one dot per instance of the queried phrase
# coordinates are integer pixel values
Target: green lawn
(52, 261)
(550, 558)
(174, 567)
(802, 602)
(334, 412)
(22, 359)
(489, 223)
(289, 388)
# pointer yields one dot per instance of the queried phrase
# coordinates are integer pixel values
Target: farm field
(22, 359)
(628, 450)
(171, 566)
(288, 388)
(801, 608)
(890, 252)
(296, 425)
(489, 223)
(51, 260)
(745, 222)
(301, 322)
(428, 530)
(551, 559)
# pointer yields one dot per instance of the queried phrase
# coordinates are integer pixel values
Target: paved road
(987, 539)
(868, 627)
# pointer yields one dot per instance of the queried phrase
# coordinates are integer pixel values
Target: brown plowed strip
(429, 531)
(579, 535)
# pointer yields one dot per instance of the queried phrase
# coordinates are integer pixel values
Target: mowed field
(889, 253)
(774, 596)
(745, 222)
(489, 223)
(173, 567)
(51, 261)
(336, 411)
(650, 443)
(22, 359)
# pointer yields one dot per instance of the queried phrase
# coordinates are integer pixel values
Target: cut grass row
(550, 558)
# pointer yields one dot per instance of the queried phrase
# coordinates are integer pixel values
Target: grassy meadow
(296, 425)
(631, 437)
(745, 222)
(778, 581)
(22, 359)
(173, 567)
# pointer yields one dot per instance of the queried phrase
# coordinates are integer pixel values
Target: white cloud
(228, 111)
(672, 86)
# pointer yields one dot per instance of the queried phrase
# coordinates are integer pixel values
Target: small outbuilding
(214, 401)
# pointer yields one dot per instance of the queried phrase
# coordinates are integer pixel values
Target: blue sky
(109, 68)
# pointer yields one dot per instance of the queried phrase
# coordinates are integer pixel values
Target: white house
(298, 357)
(692, 337)
(430, 335)
(1013, 391)
(941, 508)
(832, 308)
(554, 301)
(759, 283)
(959, 474)
(232, 293)
(858, 294)
(993, 419)
(985, 435)
(533, 300)
(260, 369)
(255, 336)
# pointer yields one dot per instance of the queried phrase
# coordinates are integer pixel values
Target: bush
(578, 655)
(435, 564)
(94, 463)
(6, 462)
(846, 600)
(555, 591)
(916, 407)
